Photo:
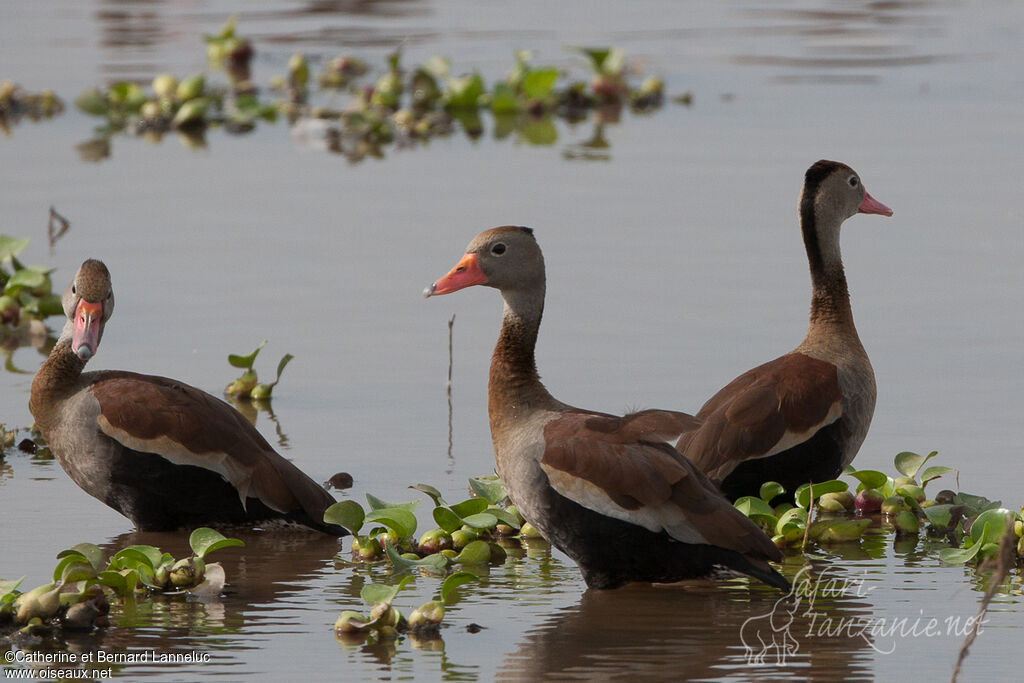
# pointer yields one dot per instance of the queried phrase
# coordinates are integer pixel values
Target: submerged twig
(448, 386)
(810, 515)
(57, 226)
(1002, 561)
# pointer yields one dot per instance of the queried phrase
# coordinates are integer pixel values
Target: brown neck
(56, 379)
(514, 387)
(830, 296)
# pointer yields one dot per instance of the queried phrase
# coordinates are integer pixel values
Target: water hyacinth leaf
(869, 479)
(27, 278)
(347, 513)
(505, 517)
(372, 593)
(490, 489)
(475, 552)
(990, 525)
(436, 563)
(463, 92)
(434, 494)
(287, 358)
(76, 570)
(537, 84)
(939, 516)
(399, 520)
(771, 489)
(503, 99)
(481, 520)
(909, 464)
(452, 582)
(446, 519)
(975, 504)
(378, 504)
(205, 540)
(959, 555)
(246, 362)
(469, 507)
(131, 557)
(91, 552)
(755, 508)
(803, 493)
(934, 472)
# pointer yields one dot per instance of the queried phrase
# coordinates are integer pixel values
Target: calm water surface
(674, 264)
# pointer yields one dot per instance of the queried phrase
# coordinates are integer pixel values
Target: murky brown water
(674, 264)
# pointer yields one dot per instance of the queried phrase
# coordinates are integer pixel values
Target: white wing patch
(665, 517)
(237, 475)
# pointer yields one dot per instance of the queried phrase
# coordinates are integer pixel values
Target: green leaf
(939, 516)
(959, 555)
(463, 92)
(481, 520)
(205, 540)
(803, 493)
(76, 570)
(378, 504)
(870, 479)
(490, 489)
(26, 278)
(975, 504)
(754, 507)
(287, 358)
(91, 552)
(446, 519)
(399, 520)
(771, 489)
(452, 582)
(990, 525)
(908, 464)
(475, 552)
(347, 513)
(434, 494)
(503, 99)
(538, 83)
(7, 587)
(133, 556)
(436, 563)
(934, 472)
(372, 593)
(505, 517)
(246, 361)
(469, 507)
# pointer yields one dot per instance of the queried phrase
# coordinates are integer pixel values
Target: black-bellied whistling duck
(801, 417)
(608, 491)
(163, 454)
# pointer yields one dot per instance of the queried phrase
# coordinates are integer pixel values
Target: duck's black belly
(611, 553)
(158, 495)
(815, 460)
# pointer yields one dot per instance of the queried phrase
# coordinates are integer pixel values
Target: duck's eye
(74, 289)
(498, 249)
(854, 181)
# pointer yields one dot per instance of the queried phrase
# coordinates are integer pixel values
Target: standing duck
(610, 492)
(163, 454)
(801, 417)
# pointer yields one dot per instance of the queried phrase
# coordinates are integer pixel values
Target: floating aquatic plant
(77, 596)
(248, 384)
(17, 104)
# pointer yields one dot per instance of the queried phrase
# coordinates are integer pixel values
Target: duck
(802, 417)
(162, 453)
(609, 491)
